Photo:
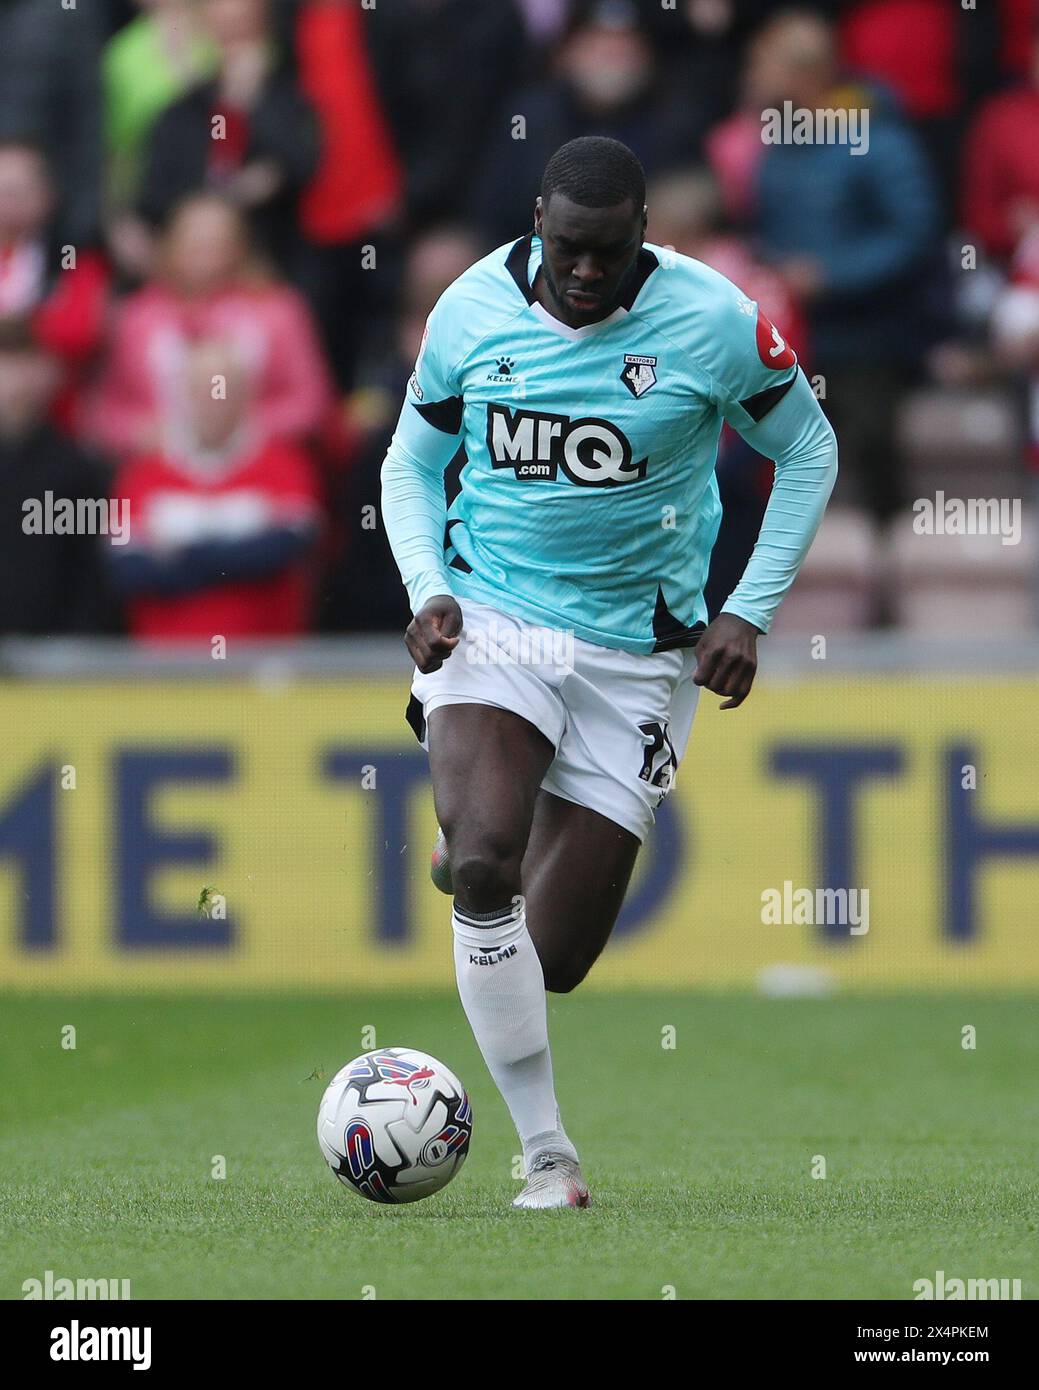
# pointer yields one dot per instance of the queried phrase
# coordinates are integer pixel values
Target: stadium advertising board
(221, 835)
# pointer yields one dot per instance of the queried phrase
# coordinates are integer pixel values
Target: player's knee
(485, 870)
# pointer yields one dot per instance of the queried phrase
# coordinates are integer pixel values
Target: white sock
(502, 988)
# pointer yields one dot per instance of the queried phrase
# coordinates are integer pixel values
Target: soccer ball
(394, 1125)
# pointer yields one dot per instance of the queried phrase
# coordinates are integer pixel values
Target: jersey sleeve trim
(445, 415)
(758, 405)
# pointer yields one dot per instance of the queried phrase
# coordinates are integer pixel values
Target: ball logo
(773, 349)
(393, 1070)
(451, 1139)
(419, 1079)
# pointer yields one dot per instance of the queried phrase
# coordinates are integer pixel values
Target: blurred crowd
(223, 223)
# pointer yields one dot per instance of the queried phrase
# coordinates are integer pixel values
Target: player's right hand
(433, 632)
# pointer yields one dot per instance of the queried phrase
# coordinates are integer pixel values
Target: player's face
(587, 256)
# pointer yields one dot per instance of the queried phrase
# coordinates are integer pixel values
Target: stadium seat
(951, 584)
(949, 438)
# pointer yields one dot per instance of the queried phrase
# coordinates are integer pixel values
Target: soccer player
(550, 499)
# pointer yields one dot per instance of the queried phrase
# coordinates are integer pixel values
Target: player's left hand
(727, 658)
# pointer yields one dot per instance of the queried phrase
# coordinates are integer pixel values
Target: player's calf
(562, 975)
(487, 766)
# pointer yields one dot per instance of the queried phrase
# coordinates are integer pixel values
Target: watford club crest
(639, 373)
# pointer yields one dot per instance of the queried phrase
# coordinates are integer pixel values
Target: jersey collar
(516, 264)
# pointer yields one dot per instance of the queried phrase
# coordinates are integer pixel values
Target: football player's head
(591, 218)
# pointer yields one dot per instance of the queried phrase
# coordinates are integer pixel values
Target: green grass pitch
(699, 1158)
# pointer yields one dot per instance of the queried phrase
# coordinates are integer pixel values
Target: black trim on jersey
(519, 257)
(669, 631)
(452, 487)
(757, 407)
(516, 265)
(456, 562)
(453, 476)
(443, 415)
(415, 717)
(644, 268)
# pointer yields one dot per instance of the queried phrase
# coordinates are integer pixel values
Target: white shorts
(619, 721)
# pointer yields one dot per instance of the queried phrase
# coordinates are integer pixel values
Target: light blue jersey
(567, 475)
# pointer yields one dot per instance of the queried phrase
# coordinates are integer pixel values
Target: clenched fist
(727, 658)
(433, 632)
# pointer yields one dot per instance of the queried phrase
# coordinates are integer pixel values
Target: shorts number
(659, 763)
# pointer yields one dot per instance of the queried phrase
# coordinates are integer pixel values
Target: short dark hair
(595, 172)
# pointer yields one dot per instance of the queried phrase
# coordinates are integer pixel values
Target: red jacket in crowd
(1001, 175)
(218, 551)
(358, 183)
(271, 332)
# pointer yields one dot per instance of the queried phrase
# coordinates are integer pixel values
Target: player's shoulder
(711, 319)
(692, 296)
